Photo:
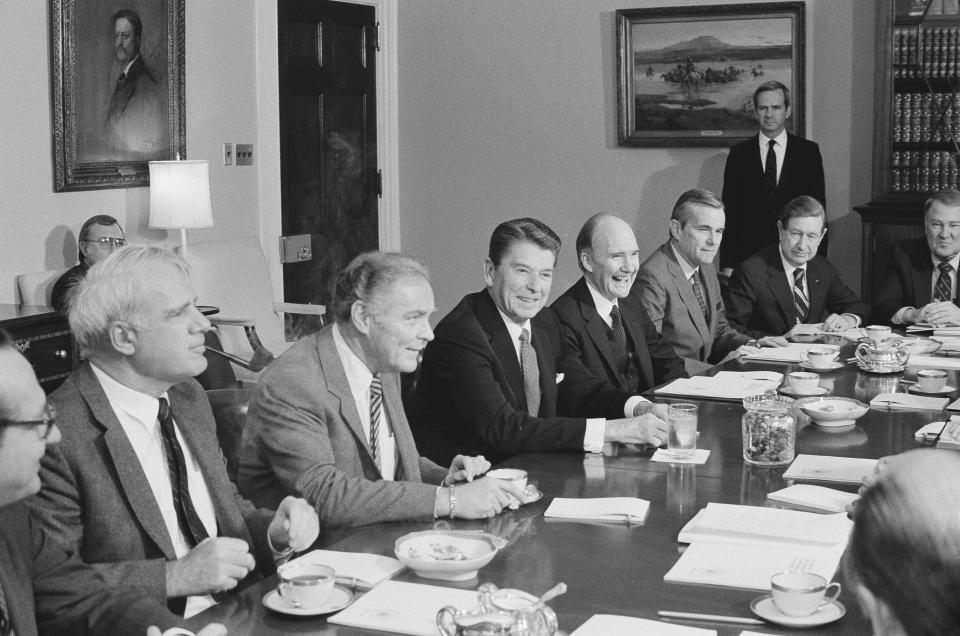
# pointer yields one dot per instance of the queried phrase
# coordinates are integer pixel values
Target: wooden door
(328, 146)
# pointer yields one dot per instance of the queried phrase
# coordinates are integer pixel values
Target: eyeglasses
(108, 242)
(48, 422)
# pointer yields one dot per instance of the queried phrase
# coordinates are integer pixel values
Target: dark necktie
(121, 81)
(187, 517)
(942, 289)
(698, 292)
(617, 325)
(531, 373)
(770, 166)
(6, 629)
(800, 300)
(376, 408)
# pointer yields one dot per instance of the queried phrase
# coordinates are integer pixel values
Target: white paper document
(936, 428)
(934, 362)
(700, 456)
(845, 470)
(937, 331)
(793, 352)
(908, 402)
(818, 497)
(396, 607)
(611, 625)
(616, 509)
(367, 570)
(754, 525)
(725, 385)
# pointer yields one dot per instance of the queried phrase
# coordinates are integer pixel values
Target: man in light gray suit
(326, 421)
(138, 485)
(678, 287)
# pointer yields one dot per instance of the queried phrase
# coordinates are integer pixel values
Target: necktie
(770, 166)
(121, 81)
(617, 324)
(943, 287)
(698, 292)
(800, 301)
(531, 373)
(190, 524)
(376, 408)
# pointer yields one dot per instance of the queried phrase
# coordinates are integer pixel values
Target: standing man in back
(762, 174)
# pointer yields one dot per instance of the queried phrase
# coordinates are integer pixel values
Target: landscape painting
(687, 74)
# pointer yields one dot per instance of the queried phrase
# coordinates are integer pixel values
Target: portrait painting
(118, 89)
(686, 75)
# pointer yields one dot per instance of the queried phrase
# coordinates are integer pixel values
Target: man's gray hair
(682, 208)
(949, 198)
(372, 275)
(114, 290)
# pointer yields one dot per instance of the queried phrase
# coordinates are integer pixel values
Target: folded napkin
(699, 456)
(908, 402)
(617, 509)
(818, 497)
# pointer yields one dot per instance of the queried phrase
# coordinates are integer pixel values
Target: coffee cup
(305, 585)
(804, 382)
(877, 333)
(515, 476)
(801, 593)
(931, 380)
(821, 357)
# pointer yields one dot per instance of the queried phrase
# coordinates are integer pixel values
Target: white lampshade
(180, 194)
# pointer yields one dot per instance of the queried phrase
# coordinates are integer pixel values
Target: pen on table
(714, 618)
(353, 583)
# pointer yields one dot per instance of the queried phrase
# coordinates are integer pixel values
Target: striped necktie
(188, 519)
(376, 411)
(698, 292)
(800, 301)
(531, 373)
(942, 290)
(770, 165)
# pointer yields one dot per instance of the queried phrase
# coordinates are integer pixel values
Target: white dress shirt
(359, 377)
(779, 149)
(955, 261)
(137, 413)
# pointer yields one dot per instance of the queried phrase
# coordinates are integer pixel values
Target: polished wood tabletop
(615, 568)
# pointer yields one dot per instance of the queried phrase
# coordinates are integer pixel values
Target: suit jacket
(96, 499)
(303, 436)
(470, 397)
(752, 206)
(589, 339)
(907, 281)
(667, 296)
(760, 302)
(51, 591)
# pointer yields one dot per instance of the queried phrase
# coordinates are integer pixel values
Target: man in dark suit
(678, 286)
(920, 284)
(788, 284)
(138, 487)
(490, 380)
(326, 420)
(42, 585)
(605, 329)
(762, 174)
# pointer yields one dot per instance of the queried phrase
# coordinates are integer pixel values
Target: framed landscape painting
(686, 75)
(117, 68)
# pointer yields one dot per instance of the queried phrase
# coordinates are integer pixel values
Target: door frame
(268, 131)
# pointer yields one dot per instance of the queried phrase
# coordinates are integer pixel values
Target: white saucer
(339, 598)
(789, 390)
(946, 389)
(765, 608)
(836, 364)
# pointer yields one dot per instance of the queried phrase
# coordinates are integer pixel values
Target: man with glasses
(42, 586)
(99, 237)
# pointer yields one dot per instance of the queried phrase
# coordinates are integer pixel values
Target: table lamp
(180, 196)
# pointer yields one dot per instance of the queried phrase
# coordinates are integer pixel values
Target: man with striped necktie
(788, 284)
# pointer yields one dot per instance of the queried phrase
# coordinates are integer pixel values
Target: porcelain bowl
(449, 555)
(833, 411)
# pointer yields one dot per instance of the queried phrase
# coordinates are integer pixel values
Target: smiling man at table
(326, 420)
(789, 284)
(490, 381)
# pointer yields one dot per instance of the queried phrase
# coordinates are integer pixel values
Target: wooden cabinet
(43, 336)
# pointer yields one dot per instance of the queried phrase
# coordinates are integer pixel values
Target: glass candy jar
(769, 430)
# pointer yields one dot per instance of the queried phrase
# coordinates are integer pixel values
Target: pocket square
(559, 378)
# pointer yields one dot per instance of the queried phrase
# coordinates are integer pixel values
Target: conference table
(619, 568)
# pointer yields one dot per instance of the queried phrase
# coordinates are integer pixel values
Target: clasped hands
(936, 313)
(474, 498)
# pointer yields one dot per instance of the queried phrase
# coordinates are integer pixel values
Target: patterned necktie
(188, 519)
(770, 166)
(698, 292)
(617, 325)
(800, 301)
(942, 289)
(376, 409)
(531, 373)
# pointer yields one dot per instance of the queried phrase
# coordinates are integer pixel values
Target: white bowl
(920, 346)
(449, 555)
(833, 411)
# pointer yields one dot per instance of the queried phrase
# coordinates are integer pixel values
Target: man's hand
(294, 526)
(464, 468)
(939, 313)
(215, 565)
(773, 341)
(838, 322)
(213, 629)
(480, 499)
(649, 428)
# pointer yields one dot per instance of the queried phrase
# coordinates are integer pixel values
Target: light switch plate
(244, 154)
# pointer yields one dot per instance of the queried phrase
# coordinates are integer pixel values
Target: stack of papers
(908, 402)
(753, 525)
(403, 608)
(937, 331)
(355, 569)
(793, 352)
(936, 428)
(610, 625)
(616, 509)
(725, 385)
(817, 497)
(844, 470)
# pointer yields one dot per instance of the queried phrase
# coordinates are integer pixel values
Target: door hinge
(376, 36)
(380, 184)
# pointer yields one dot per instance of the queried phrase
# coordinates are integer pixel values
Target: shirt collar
(140, 406)
(126, 69)
(781, 140)
(788, 267)
(513, 328)
(688, 269)
(603, 305)
(358, 375)
(955, 261)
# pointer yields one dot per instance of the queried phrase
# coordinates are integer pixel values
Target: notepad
(934, 428)
(611, 625)
(368, 570)
(845, 470)
(753, 525)
(615, 509)
(908, 402)
(818, 497)
(725, 385)
(396, 607)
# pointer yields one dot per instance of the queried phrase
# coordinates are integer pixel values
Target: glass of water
(682, 429)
